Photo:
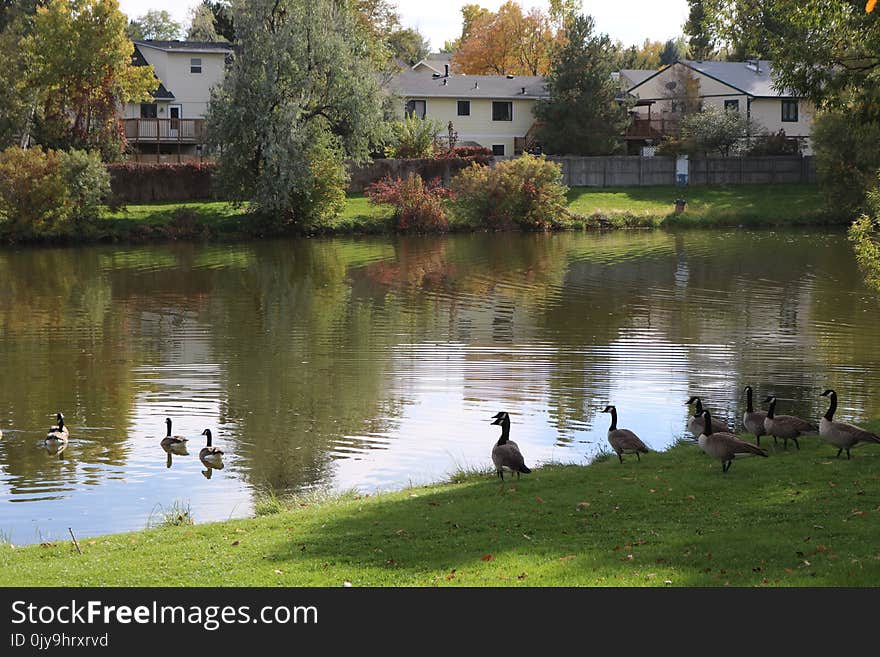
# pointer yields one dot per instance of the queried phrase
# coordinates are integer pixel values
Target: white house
(494, 111)
(746, 87)
(172, 125)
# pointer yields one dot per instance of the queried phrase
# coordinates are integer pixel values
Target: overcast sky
(628, 21)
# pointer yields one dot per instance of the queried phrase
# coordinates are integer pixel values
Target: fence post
(640, 170)
(604, 172)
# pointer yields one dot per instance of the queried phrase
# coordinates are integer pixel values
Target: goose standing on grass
(723, 445)
(753, 420)
(172, 441)
(787, 427)
(57, 434)
(209, 455)
(505, 453)
(623, 440)
(840, 434)
(695, 423)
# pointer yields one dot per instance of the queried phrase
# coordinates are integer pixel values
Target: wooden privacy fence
(627, 170)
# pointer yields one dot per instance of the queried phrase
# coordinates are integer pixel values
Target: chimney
(523, 91)
(446, 67)
(445, 82)
(476, 85)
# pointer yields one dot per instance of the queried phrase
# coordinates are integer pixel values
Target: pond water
(375, 363)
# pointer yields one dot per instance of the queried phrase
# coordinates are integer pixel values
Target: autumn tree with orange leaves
(510, 41)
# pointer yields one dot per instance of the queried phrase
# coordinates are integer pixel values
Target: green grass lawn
(797, 518)
(733, 205)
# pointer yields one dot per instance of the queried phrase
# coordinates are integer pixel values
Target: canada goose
(695, 422)
(505, 453)
(723, 445)
(170, 440)
(623, 440)
(210, 455)
(787, 427)
(840, 434)
(753, 420)
(58, 433)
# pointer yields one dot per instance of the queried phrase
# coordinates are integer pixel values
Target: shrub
(413, 138)
(775, 143)
(418, 205)
(847, 155)
(479, 154)
(88, 182)
(527, 190)
(34, 195)
(716, 129)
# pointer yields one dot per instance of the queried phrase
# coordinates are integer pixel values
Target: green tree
(155, 24)
(298, 98)
(408, 45)
(673, 50)
(582, 115)
(80, 72)
(202, 25)
(699, 28)
(640, 57)
(223, 23)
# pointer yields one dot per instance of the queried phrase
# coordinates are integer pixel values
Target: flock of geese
(211, 456)
(714, 436)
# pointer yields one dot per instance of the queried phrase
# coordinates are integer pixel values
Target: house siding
(479, 126)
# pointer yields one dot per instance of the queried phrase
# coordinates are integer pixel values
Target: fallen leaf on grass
(278, 571)
(789, 571)
(539, 500)
(583, 505)
(488, 557)
(522, 576)
(234, 543)
(568, 557)
(689, 497)
(93, 542)
(433, 503)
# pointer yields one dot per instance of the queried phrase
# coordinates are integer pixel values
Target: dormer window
(195, 65)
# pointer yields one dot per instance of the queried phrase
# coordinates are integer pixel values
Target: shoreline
(591, 209)
(799, 518)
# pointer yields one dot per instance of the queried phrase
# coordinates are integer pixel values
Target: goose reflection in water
(210, 466)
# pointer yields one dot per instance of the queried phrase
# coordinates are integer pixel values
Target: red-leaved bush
(418, 204)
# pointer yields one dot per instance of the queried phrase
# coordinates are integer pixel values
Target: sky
(629, 22)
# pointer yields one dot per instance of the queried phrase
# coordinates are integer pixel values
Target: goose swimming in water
(169, 440)
(58, 433)
(209, 455)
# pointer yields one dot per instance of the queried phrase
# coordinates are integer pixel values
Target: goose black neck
(208, 433)
(771, 408)
(749, 407)
(505, 431)
(830, 414)
(613, 420)
(707, 424)
(168, 426)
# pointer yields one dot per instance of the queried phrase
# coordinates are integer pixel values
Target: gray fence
(624, 171)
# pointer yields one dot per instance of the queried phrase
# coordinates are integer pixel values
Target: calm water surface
(376, 363)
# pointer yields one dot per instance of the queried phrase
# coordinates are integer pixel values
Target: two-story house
(659, 97)
(494, 111)
(171, 126)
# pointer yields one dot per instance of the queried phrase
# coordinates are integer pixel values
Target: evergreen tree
(582, 115)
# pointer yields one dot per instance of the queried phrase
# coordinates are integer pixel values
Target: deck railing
(188, 131)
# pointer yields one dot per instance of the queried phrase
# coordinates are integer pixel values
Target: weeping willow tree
(299, 98)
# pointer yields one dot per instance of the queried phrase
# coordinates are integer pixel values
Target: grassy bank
(798, 518)
(751, 205)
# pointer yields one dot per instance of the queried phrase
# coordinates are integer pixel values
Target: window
(195, 65)
(149, 111)
(502, 111)
(417, 108)
(498, 149)
(464, 108)
(789, 110)
(731, 105)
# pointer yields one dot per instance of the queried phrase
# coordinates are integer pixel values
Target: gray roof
(412, 84)
(753, 78)
(187, 46)
(637, 75)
